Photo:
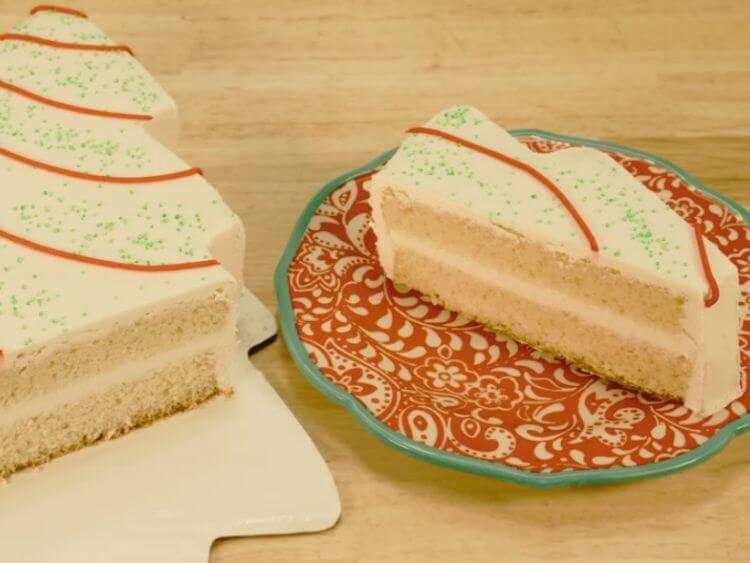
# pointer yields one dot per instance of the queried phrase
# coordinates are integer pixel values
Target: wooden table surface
(279, 97)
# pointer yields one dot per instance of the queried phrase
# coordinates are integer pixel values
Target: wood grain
(279, 97)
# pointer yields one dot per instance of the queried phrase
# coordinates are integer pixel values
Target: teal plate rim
(400, 442)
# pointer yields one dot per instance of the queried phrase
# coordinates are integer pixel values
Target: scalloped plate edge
(702, 453)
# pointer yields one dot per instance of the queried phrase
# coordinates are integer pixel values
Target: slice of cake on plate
(120, 269)
(59, 57)
(565, 251)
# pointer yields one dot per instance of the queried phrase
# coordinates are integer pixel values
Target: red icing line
(70, 107)
(59, 9)
(99, 178)
(521, 166)
(62, 44)
(106, 263)
(713, 287)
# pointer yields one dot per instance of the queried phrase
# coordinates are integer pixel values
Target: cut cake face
(564, 250)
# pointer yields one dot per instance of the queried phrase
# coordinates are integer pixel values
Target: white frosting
(47, 301)
(719, 382)
(112, 81)
(637, 233)
(84, 143)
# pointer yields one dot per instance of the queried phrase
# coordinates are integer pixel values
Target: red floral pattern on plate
(447, 382)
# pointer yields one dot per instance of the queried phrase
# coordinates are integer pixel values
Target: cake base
(113, 412)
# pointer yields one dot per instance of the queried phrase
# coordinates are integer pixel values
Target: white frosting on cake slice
(107, 81)
(466, 216)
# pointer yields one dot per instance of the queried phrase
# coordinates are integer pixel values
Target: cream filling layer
(547, 296)
(222, 343)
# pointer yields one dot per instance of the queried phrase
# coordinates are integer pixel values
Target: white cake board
(233, 467)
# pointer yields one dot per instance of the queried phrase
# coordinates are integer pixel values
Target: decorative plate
(446, 390)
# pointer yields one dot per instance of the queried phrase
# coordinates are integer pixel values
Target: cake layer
(137, 336)
(130, 400)
(637, 358)
(457, 232)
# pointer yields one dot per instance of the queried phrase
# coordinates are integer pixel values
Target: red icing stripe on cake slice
(58, 9)
(562, 198)
(63, 44)
(97, 177)
(713, 287)
(105, 263)
(70, 107)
